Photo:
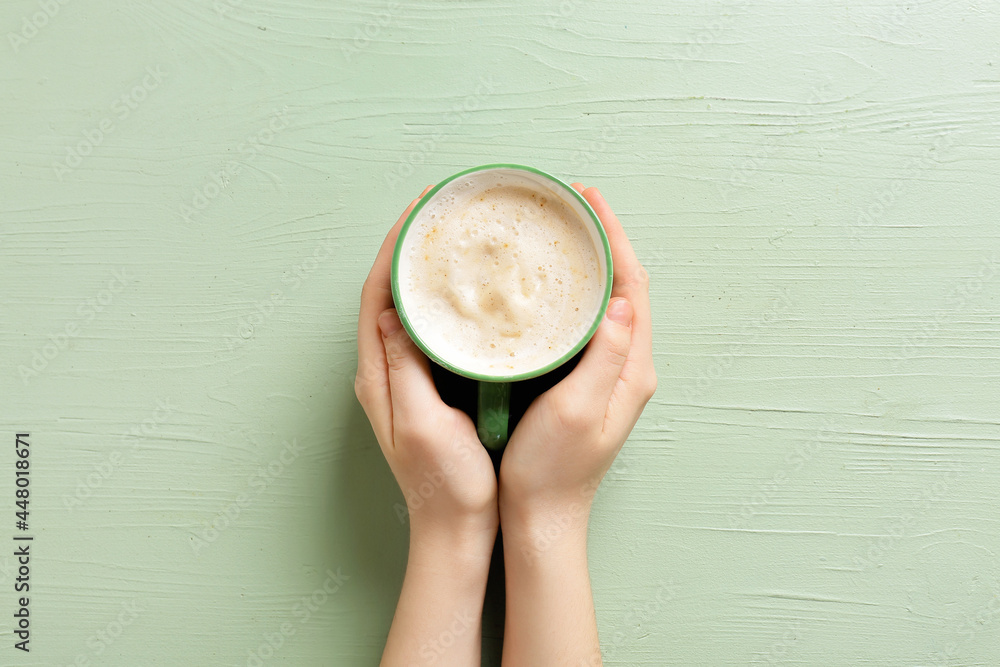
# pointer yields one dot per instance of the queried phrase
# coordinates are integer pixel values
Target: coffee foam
(499, 276)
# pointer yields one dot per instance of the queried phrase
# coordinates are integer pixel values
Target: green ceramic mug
(418, 314)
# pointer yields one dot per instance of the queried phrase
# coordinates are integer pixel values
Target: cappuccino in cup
(500, 275)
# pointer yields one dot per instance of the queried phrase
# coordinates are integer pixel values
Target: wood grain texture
(191, 194)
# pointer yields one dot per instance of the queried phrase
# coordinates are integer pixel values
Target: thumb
(411, 387)
(594, 378)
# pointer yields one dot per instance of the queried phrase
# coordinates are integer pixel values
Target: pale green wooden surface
(816, 481)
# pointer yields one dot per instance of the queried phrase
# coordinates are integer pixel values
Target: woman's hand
(432, 449)
(570, 435)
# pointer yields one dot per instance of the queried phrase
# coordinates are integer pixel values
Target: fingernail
(620, 311)
(388, 323)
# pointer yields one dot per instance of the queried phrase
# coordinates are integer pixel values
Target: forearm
(439, 615)
(550, 616)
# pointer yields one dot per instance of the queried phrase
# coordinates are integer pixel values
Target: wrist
(465, 541)
(534, 528)
(525, 500)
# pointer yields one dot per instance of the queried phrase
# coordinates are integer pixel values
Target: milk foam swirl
(499, 277)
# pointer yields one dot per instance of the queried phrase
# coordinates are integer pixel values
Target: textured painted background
(191, 194)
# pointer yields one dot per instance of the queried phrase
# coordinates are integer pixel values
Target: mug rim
(435, 357)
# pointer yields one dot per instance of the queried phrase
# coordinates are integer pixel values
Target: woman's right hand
(570, 435)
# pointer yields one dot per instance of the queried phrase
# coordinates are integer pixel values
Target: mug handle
(493, 413)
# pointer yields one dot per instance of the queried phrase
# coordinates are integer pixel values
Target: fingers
(628, 270)
(594, 379)
(378, 277)
(627, 267)
(412, 387)
(632, 282)
(371, 383)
